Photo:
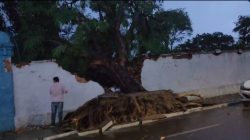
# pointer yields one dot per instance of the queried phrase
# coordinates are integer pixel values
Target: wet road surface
(228, 123)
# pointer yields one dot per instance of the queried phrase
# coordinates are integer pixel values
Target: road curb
(234, 103)
(85, 133)
(171, 115)
(120, 126)
(60, 135)
(107, 126)
(96, 131)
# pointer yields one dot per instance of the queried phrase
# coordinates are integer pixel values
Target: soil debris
(121, 108)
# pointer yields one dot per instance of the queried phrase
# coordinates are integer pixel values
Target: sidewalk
(230, 98)
(31, 134)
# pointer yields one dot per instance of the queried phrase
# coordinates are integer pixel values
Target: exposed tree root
(125, 108)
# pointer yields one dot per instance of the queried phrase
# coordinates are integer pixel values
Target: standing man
(57, 91)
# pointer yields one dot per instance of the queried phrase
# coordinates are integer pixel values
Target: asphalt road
(228, 123)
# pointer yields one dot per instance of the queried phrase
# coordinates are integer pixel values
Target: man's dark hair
(56, 79)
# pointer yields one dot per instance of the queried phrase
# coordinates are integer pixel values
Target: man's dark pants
(56, 107)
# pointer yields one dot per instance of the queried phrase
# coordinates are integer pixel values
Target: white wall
(206, 74)
(31, 92)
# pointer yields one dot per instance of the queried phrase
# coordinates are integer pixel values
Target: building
(7, 110)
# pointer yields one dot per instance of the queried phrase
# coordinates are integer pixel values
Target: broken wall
(31, 92)
(205, 74)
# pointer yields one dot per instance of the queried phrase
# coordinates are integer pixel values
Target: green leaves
(243, 28)
(155, 47)
(208, 42)
(175, 24)
(159, 32)
(38, 28)
(58, 51)
(122, 28)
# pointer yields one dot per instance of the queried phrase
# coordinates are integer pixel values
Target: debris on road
(121, 108)
(162, 138)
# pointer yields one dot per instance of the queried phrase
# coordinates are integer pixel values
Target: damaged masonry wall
(205, 74)
(31, 92)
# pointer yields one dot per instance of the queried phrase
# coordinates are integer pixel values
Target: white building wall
(205, 74)
(31, 92)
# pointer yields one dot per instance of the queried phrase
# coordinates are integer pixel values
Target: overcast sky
(212, 16)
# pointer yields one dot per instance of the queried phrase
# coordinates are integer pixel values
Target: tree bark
(114, 71)
(110, 73)
(122, 50)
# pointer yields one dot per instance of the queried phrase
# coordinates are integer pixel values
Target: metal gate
(7, 110)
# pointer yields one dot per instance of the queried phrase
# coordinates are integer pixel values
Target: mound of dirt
(122, 108)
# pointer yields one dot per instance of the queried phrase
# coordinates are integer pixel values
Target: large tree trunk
(110, 73)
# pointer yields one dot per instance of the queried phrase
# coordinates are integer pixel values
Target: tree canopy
(95, 39)
(100, 39)
(208, 42)
(243, 28)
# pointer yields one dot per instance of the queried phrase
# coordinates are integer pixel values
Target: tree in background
(243, 28)
(33, 27)
(99, 46)
(9, 8)
(179, 25)
(207, 42)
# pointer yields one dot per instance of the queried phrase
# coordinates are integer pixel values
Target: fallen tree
(103, 48)
(122, 108)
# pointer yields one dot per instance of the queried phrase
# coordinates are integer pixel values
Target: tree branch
(122, 50)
